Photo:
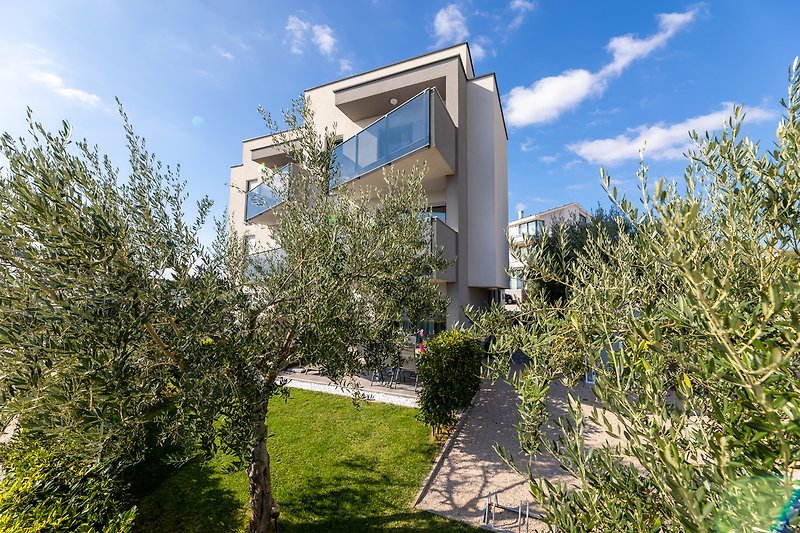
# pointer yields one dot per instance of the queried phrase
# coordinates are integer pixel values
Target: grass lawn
(334, 468)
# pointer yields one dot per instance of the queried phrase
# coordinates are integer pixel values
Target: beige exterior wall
(488, 198)
(467, 163)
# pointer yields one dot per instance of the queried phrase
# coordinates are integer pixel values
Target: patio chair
(406, 364)
(408, 368)
(384, 374)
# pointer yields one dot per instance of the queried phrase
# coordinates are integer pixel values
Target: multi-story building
(534, 225)
(431, 108)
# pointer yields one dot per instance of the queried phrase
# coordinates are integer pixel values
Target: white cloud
(520, 207)
(56, 84)
(549, 158)
(323, 38)
(480, 47)
(299, 31)
(345, 66)
(478, 51)
(296, 29)
(628, 48)
(223, 53)
(569, 165)
(662, 141)
(546, 99)
(521, 5)
(578, 186)
(528, 145)
(450, 25)
(241, 44)
(520, 8)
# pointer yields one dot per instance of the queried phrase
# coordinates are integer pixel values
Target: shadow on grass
(358, 502)
(419, 521)
(192, 500)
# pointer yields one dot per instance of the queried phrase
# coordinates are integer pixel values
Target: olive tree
(89, 269)
(691, 321)
(347, 266)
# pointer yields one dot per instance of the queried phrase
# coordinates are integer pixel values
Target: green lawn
(334, 468)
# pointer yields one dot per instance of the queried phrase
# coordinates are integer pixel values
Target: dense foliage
(49, 489)
(83, 293)
(449, 369)
(691, 322)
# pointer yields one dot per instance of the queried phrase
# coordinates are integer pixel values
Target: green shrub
(449, 370)
(45, 488)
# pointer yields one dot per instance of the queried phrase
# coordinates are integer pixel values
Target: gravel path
(472, 470)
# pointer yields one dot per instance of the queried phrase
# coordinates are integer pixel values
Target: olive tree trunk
(259, 474)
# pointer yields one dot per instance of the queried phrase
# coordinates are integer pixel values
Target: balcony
(445, 238)
(263, 262)
(420, 123)
(261, 198)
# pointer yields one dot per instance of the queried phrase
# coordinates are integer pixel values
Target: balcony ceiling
(374, 98)
(271, 155)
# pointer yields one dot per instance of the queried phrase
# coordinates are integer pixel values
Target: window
(516, 280)
(252, 184)
(533, 228)
(439, 212)
(582, 218)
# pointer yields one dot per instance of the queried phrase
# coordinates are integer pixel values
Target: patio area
(393, 386)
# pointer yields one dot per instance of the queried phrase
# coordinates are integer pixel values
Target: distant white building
(534, 225)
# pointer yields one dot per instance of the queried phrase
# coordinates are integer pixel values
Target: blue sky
(584, 83)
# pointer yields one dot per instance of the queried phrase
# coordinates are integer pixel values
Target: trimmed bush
(48, 489)
(449, 370)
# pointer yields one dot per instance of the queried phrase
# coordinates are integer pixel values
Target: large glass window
(532, 228)
(439, 212)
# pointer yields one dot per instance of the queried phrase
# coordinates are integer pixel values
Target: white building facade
(531, 226)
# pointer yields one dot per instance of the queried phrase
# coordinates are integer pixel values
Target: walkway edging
(437, 465)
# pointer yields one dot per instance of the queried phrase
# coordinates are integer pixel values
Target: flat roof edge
(464, 43)
(532, 217)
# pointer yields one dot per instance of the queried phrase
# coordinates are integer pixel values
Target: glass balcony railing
(400, 132)
(264, 261)
(261, 198)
